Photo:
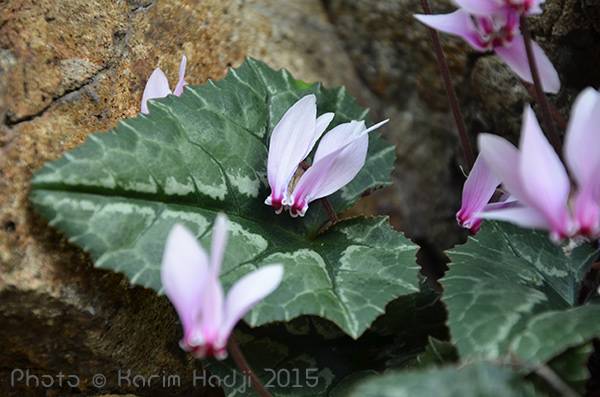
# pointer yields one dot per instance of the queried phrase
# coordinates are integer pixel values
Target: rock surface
(67, 71)
(72, 67)
(392, 54)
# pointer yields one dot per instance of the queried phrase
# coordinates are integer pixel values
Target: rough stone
(569, 32)
(392, 54)
(68, 69)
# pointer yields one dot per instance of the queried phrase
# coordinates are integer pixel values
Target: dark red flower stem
(242, 363)
(551, 132)
(468, 153)
(329, 210)
(556, 115)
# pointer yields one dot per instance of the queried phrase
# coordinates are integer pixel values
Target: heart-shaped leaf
(512, 292)
(303, 358)
(119, 194)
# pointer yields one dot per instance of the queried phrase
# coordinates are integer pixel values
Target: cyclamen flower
(536, 177)
(157, 85)
(339, 157)
(499, 32)
(477, 192)
(190, 279)
(582, 154)
(533, 175)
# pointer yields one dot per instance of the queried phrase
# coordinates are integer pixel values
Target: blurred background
(72, 67)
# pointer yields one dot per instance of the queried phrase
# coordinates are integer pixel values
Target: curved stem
(548, 375)
(242, 363)
(556, 116)
(540, 96)
(333, 218)
(468, 153)
(552, 379)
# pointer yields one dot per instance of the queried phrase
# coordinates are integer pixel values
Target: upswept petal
(184, 271)
(336, 164)
(522, 216)
(323, 122)
(211, 318)
(290, 142)
(480, 7)
(219, 242)
(181, 81)
(582, 142)
(457, 23)
(157, 86)
(582, 154)
(338, 137)
(515, 56)
(341, 135)
(246, 293)
(544, 177)
(329, 174)
(502, 158)
(477, 192)
(498, 205)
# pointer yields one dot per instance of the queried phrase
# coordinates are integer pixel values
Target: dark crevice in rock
(141, 6)
(11, 122)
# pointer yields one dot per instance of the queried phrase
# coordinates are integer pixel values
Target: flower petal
(323, 122)
(515, 56)
(582, 142)
(329, 174)
(477, 192)
(480, 7)
(212, 310)
(544, 177)
(521, 216)
(156, 87)
(290, 143)
(458, 23)
(247, 292)
(502, 158)
(181, 82)
(219, 242)
(586, 210)
(341, 135)
(183, 272)
(338, 159)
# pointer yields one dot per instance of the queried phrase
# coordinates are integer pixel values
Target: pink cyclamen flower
(582, 155)
(487, 7)
(190, 279)
(340, 156)
(533, 175)
(477, 192)
(338, 159)
(157, 85)
(291, 141)
(498, 32)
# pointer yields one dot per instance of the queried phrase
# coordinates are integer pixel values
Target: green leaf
(571, 366)
(512, 292)
(478, 380)
(323, 362)
(119, 194)
(410, 322)
(437, 353)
